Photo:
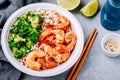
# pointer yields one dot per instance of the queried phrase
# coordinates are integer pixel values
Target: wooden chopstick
(85, 47)
(90, 40)
(84, 57)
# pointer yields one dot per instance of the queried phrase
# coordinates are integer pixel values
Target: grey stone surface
(97, 66)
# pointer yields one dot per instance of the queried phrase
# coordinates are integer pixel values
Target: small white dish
(110, 36)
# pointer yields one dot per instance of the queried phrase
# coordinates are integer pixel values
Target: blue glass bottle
(110, 15)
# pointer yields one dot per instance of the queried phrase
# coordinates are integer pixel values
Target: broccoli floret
(14, 29)
(33, 36)
(29, 43)
(34, 19)
(24, 50)
(19, 49)
(18, 39)
(14, 44)
(21, 27)
(17, 53)
(16, 22)
(10, 39)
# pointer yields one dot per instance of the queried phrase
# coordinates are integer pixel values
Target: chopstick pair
(77, 67)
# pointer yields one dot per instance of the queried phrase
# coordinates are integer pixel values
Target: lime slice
(90, 9)
(68, 4)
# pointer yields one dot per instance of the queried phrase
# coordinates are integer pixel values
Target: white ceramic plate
(76, 27)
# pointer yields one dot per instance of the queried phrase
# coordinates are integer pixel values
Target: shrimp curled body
(31, 59)
(62, 22)
(60, 58)
(58, 34)
(70, 38)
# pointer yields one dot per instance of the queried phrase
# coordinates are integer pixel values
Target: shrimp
(62, 21)
(70, 39)
(60, 58)
(50, 38)
(67, 29)
(53, 49)
(65, 50)
(50, 63)
(49, 50)
(44, 34)
(69, 36)
(31, 59)
(42, 61)
(58, 35)
(57, 47)
(47, 64)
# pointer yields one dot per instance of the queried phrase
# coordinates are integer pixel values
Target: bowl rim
(45, 73)
(104, 39)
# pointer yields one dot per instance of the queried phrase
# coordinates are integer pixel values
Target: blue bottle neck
(115, 3)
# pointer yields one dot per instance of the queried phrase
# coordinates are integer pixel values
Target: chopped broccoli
(34, 19)
(10, 39)
(16, 22)
(24, 33)
(29, 43)
(21, 27)
(14, 44)
(17, 53)
(14, 29)
(24, 49)
(18, 39)
(33, 36)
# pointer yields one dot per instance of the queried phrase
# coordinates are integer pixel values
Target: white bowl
(107, 37)
(76, 27)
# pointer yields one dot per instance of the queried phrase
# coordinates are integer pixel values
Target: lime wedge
(68, 4)
(90, 9)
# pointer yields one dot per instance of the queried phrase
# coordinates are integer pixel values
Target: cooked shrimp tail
(31, 59)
